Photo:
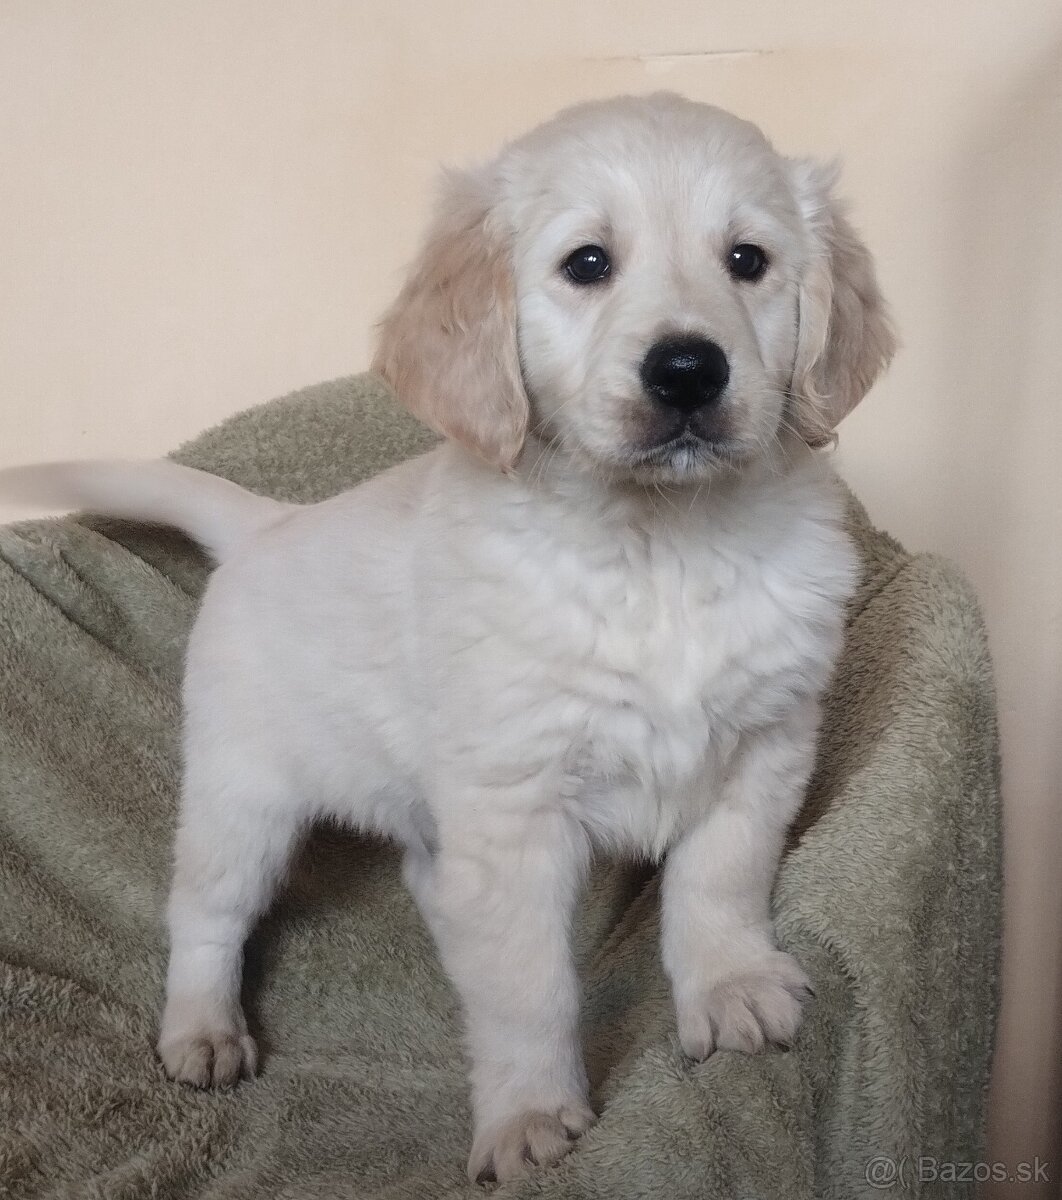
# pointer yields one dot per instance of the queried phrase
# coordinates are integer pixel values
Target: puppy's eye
(747, 262)
(588, 264)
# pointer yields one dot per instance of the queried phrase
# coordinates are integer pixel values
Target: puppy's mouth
(685, 454)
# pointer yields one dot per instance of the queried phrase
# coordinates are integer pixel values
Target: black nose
(685, 372)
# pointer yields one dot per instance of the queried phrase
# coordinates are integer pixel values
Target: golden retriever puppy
(599, 617)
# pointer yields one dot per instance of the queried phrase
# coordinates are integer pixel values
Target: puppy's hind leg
(238, 828)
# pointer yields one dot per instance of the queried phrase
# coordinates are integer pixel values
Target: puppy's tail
(216, 513)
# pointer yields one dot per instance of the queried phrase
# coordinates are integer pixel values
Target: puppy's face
(657, 252)
(644, 284)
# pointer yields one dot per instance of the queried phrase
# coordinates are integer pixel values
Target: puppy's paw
(209, 1058)
(760, 1003)
(532, 1139)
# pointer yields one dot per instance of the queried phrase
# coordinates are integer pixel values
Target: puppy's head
(644, 284)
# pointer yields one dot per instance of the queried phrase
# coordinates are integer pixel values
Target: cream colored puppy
(600, 616)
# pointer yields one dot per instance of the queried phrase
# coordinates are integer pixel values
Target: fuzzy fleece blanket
(889, 895)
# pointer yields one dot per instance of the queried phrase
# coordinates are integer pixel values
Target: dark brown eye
(747, 262)
(588, 264)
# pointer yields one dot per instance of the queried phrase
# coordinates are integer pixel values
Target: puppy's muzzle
(685, 373)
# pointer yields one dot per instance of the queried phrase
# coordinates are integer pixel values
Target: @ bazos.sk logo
(884, 1172)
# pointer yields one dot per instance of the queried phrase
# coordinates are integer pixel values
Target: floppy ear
(845, 336)
(448, 344)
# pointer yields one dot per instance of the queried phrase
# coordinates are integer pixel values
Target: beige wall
(206, 203)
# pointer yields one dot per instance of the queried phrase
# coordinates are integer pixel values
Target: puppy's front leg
(503, 887)
(733, 988)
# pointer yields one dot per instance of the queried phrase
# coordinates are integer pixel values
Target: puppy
(601, 615)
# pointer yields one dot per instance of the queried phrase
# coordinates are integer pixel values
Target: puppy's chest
(675, 652)
(661, 653)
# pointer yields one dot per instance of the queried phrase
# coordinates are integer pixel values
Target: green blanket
(889, 895)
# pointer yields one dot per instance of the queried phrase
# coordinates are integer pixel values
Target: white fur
(505, 670)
